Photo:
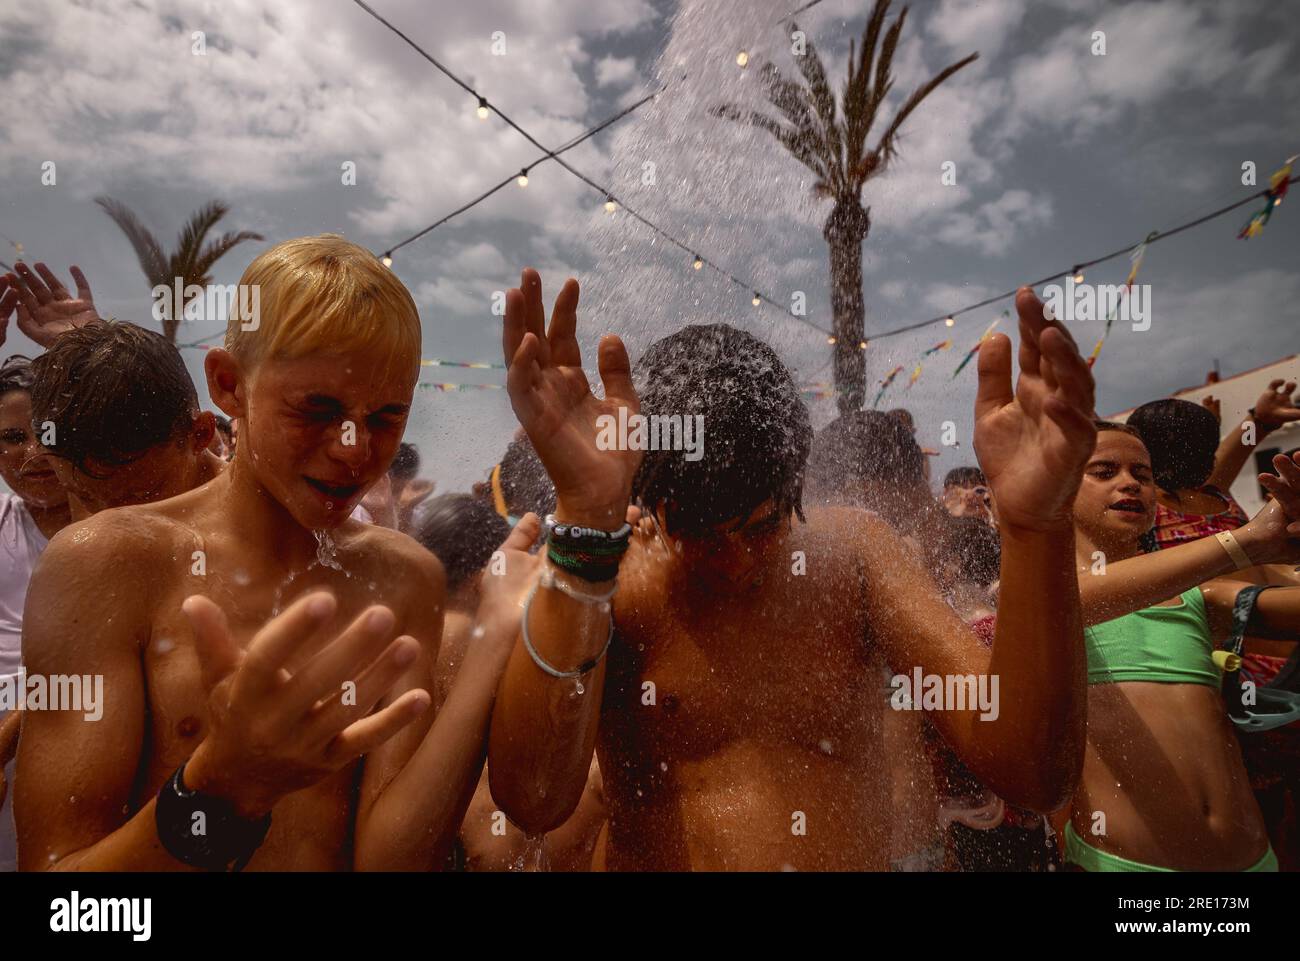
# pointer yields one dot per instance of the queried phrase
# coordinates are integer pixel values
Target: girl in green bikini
(1163, 786)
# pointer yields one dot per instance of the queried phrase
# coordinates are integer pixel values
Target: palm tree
(833, 145)
(192, 260)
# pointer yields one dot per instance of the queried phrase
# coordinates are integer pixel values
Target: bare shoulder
(124, 541)
(413, 575)
(849, 535)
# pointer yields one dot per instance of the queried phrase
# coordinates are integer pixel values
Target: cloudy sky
(1060, 155)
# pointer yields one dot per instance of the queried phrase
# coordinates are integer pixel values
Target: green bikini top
(1169, 644)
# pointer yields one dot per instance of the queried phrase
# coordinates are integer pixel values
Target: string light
(482, 108)
(610, 205)
(387, 260)
(757, 299)
(862, 345)
(949, 320)
(522, 179)
(742, 59)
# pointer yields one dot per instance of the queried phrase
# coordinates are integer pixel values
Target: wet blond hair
(322, 293)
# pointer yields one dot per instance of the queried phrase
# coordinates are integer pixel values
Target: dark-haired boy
(736, 715)
(119, 413)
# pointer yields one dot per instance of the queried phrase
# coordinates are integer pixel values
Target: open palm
(45, 308)
(1033, 444)
(552, 398)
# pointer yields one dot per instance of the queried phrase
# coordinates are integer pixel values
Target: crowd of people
(785, 654)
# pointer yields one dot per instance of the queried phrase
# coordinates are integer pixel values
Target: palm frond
(147, 248)
(190, 242)
(218, 248)
(858, 118)
(802, 144)
(823, 100)
(793, 101)
(886, 148)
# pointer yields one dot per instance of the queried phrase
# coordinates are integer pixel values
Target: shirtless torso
(1167, 748)
(107, 600)
(745, 733)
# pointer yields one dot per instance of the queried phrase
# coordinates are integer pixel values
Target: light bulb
(948, 322)
(862, 345)
(610, 206)
(830, 340)
(387, 260)
(742, 58)
(757, 299)
(1078, 275)
(482, 108)
(522, 179)
(698, 263)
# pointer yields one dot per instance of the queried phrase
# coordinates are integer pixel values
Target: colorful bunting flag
(1277, 188)
(979, 343)
(1136, 257)
(884, 385)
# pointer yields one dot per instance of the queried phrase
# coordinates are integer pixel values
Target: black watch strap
(205, 831)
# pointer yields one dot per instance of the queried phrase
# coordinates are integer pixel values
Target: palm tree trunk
(845, 230)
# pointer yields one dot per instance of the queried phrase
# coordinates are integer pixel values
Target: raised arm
(414, 797)
(543, 729)
(1032, 444)
(1275, 408)
(1271, 537)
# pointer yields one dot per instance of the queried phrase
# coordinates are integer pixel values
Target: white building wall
(1236, 395)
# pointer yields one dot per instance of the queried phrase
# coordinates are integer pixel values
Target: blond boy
(266, 660)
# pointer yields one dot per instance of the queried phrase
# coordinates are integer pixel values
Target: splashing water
(534, 856)
(326, 550)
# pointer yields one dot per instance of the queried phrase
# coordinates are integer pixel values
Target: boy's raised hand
(554, 403)
(44, 306)
(1033, 443)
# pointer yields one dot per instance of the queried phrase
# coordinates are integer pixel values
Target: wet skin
(1162, 761)
(768, 701)
(107, 599)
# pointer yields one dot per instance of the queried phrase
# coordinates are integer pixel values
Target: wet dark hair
(462, 531)
(973, 545)
(965, 477)
(871, 459)
(113, 391)
(407, 462)
(525, 485)
(1181, 438)
(756, 437)
(16, 374)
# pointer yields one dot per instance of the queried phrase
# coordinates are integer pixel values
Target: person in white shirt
(32, 510)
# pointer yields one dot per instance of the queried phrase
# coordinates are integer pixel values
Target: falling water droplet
(326, 550)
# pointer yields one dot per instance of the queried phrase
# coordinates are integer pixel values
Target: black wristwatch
(205, 831)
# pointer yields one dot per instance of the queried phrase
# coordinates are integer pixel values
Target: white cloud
(997, 225)
(615, 71)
